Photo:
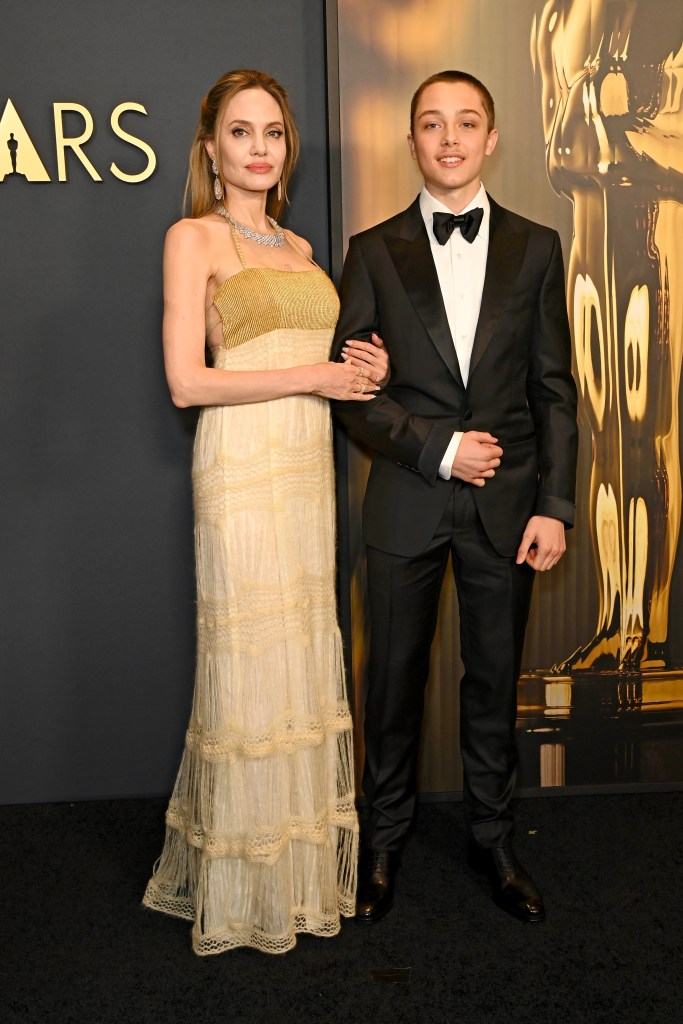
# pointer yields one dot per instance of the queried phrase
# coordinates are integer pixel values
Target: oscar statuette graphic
(612, 102)
(13, 146)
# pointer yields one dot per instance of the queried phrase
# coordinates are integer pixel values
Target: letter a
(18, 155)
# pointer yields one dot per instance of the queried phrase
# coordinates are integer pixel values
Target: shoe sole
(375, 917)
(536, 919)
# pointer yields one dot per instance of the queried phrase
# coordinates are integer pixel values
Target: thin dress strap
(236, 239)
(291, 239)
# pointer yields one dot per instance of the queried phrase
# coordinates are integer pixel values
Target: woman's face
(249, 146)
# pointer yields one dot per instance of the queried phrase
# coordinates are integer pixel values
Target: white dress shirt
(461, 268)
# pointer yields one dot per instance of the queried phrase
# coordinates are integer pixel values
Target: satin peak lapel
(412, 258)
(503, 263)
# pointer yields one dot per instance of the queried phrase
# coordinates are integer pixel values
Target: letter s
(134, 141)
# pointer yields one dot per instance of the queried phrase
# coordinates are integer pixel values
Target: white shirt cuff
(451, 451)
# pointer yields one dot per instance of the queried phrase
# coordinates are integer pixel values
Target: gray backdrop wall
(96, 570)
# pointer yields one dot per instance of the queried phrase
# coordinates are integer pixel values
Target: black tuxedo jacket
(520, 386)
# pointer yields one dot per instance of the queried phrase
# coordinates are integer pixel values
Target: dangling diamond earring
(279, 191)
(217, 183)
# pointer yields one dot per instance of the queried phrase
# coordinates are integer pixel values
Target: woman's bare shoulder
(193, 231)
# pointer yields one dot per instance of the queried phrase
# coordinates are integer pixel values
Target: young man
(474, 443)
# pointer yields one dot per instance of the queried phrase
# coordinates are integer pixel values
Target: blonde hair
(199, 196)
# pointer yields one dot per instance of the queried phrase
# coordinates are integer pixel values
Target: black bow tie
(446, 223)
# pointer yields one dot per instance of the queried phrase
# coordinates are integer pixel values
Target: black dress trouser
(494, 595)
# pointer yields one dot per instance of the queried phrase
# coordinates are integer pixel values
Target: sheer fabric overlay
(261, 830)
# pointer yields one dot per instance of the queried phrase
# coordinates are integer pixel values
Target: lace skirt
(261, 837)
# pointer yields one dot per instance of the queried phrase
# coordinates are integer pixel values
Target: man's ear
(491, 141)
(411, 145)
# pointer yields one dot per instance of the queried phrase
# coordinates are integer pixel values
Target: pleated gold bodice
(258, 300)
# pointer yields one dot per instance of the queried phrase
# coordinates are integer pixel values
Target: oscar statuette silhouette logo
(13, 146)
(20, 160)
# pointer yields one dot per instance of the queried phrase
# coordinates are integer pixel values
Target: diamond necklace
(277, 240)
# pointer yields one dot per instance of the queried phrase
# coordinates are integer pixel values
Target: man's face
(450, 141)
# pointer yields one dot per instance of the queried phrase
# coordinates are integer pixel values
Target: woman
(261, 837)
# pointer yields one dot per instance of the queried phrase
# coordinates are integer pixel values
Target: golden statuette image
(612, 93)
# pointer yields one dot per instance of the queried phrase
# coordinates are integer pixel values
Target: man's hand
(543, 543)
(477, 458)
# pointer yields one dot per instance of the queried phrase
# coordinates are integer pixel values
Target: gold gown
(261, 830)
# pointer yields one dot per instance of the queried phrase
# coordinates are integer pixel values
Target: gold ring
(361, 372)
(362, 389)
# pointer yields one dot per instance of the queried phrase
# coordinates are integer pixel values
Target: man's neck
(455, 199)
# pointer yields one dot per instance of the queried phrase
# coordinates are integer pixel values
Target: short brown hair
(199, 188)
(456, 76)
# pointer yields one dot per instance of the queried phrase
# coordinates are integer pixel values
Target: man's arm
(551, 394)
(412, 441)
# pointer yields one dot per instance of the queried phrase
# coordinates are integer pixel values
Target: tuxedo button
(467, 415)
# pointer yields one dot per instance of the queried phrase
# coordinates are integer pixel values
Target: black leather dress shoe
(513, 889)
(376, 876)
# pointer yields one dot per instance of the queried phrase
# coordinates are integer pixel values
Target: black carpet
(78, 946)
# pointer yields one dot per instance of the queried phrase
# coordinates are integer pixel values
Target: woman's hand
(370, 357)
(344, 382)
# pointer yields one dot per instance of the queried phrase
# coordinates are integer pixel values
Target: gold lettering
(18, 155)
(134, 141)
(62, 142)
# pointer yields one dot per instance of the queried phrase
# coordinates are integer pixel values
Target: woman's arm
(187, 269)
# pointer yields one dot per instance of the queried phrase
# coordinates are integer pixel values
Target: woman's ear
(210, 148)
